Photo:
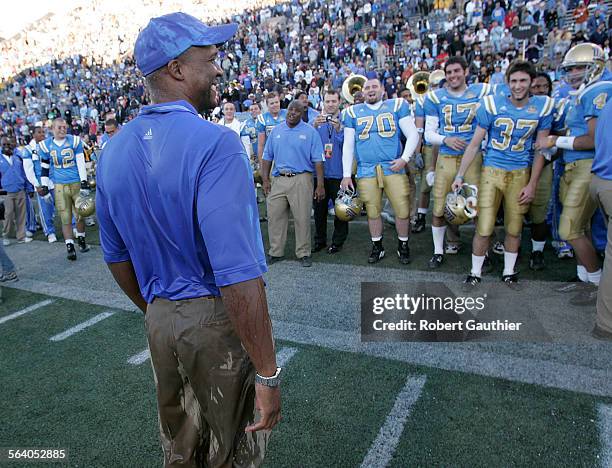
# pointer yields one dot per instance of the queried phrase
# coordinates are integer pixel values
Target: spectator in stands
(581, 16)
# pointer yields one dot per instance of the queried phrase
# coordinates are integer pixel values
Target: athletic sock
(422, 211)
(403, 239)
(477, 262)
(594, 277)
(582, 274)
(80, 234)
(509, 262)
(537, 246)
(376, 239)
(438, 239)
(69, 241)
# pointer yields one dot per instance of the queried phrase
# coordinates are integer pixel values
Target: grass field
(81, 394)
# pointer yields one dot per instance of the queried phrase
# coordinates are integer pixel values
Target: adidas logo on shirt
(148, 135)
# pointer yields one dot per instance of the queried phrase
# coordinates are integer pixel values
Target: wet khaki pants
(205, 389)
(601, 191)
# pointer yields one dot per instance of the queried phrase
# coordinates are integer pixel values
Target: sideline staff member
(296, 149)
(179, 231)
(329, 127)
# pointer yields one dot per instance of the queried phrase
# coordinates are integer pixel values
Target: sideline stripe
(31, 308)
(81, 326)
(282, 357)
(605, 434)
(383, 447)
(139, 358)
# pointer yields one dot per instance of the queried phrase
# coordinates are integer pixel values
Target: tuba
(418, 84)
(351, 85)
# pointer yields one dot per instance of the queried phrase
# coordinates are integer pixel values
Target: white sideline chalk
(81, 326)
(31, 308)
(381, 451)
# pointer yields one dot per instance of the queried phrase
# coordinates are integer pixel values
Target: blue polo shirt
(332, 167)
(175, 196)
(602, 163)
(294, 149)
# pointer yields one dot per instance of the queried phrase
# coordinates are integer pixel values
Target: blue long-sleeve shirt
(12, 175)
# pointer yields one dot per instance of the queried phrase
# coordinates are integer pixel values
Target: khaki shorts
(205, 385)
(446, 170)
(574, 193)
(396, 188)
(539, 205)
(497, 185)
(65, 199)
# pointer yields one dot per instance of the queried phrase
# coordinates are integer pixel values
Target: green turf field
(81, 394)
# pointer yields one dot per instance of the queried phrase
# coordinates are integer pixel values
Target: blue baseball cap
(166, 37)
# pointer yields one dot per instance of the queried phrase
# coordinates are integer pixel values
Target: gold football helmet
(85, 205)
(461, 206)
(348, 205)
(587, 55)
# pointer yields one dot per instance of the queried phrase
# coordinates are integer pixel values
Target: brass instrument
(351, 85)
(418, 84)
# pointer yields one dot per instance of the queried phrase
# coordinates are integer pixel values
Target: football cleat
(377, 253)
(334, 249)
(83, 247)
(348, 205)
(587, 296)
(472, 281)
(536, 260)
(565, 251)
(403, 252)
(452, 249)
(52, 238)
(436, 261)
(71, 252)
(461, 206)
(419, 223)
(511, 280)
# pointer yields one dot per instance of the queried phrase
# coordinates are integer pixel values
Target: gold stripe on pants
(205, 385)
(290, 195)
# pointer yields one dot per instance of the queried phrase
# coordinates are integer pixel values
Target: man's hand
(457, 184)
(347, 182)
(84, 188)
(546, 143)
(455, 143)
(268, 403)
(319, 120)
(397, 165)
(42, 190)
(319, 192)
(527, 194)
(266, 186)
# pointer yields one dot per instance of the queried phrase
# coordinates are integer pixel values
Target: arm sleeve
(246, 142)
(229, 220)
(268, 151)
(316, 148)
(80, 161)
(431, 131)
(409, 130)
(348, 151)
(112, 244)
(28, 168)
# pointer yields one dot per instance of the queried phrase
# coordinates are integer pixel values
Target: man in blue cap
(180, 233)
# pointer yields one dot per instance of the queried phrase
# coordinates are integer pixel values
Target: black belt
(289, 174)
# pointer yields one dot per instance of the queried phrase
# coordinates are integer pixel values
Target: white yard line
(139, 358)
(28, 309)
(605, 434)
(383, 447)
(81, 326)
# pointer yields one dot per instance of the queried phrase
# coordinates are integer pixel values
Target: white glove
(430, 178)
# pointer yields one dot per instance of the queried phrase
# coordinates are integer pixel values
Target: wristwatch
(273, 381)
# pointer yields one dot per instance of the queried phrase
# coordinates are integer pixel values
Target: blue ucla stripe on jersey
(511, 130)
(377, 134)
(456, 113)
